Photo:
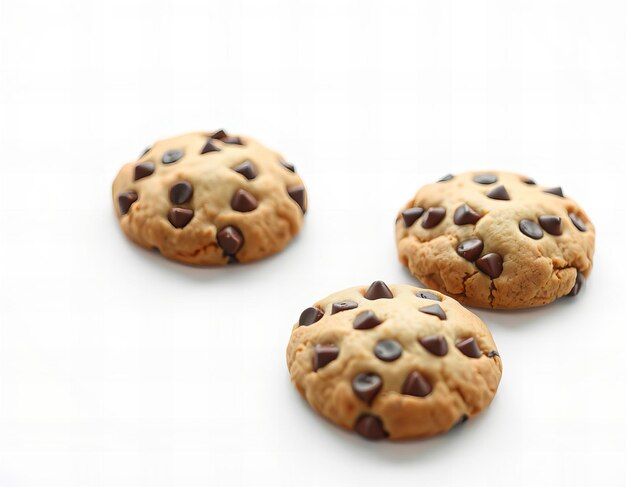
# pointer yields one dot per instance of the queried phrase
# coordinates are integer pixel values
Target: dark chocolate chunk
(433, 217)
(470, 249)
(171, 156)
(219, 135)
(243, 201)
(551, 224)
(378, 290)
(229, 139)
(416, 385)
(343, 306)
(366, 320)
(469, 347)
(125, 201)
(143, 169)
(370, 427)
(366, 385)
(410, 215)
(490, 264)
(179, 217)
(577, 221)
(324, 354)
(288, 166)
(499, 193)
(209, 147)
(427, 295)
(309, 316)
(298, 194)
(435, 310)
(181, 192)
(492, 354)
(388, 350)
(529, 181)
(246, 169)
(435, 344)
(485, 178)
(466, 215)
(557, 191)
(530, 229)
(447, 177)
(578, 284)
(230, 240)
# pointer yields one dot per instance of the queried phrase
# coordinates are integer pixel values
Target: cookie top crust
(496, 240)
(393, 361)
(210, 199)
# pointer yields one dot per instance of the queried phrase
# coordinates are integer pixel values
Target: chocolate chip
(466, 215)
(530, 229)
(433, 216)
(427, 295)
(243, 201)
(416, 385)
(447, 177)
(171, 156)
(343, 306)
(485, 178)
(366, 386)
(388, 350)
(577, 221)
(324, 354)
(435, 344)
(492, 354)
(219, 135)
(461, 420)
(232, 140)
(551, 224)
(125, 201)
(469, 347)
(298, 194)
(435, 310)
(209, 147)
(529, 181)
(230, 240)
(557, 191)
(143, 169)
(370, 427)
(490, 264)
(309, 316)
(366, 320)
(231, 259)
(499, 193)
(181, 192)
(288, 166)
(180, 217)
(378, 290)
(470, 249)
(246, 169)
(410, 215)
(578, 284)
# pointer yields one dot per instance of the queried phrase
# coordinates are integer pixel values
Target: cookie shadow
(415, 451)
(204, 273)
(523, 318)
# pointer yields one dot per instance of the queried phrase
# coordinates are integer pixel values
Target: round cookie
(393, 361)
(210, 199)
(496, 240)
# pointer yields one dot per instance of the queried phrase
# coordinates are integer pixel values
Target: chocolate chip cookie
(210, 199)
(393, 361)
(496, 240)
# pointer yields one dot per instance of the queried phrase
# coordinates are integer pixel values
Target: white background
(118, 368)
